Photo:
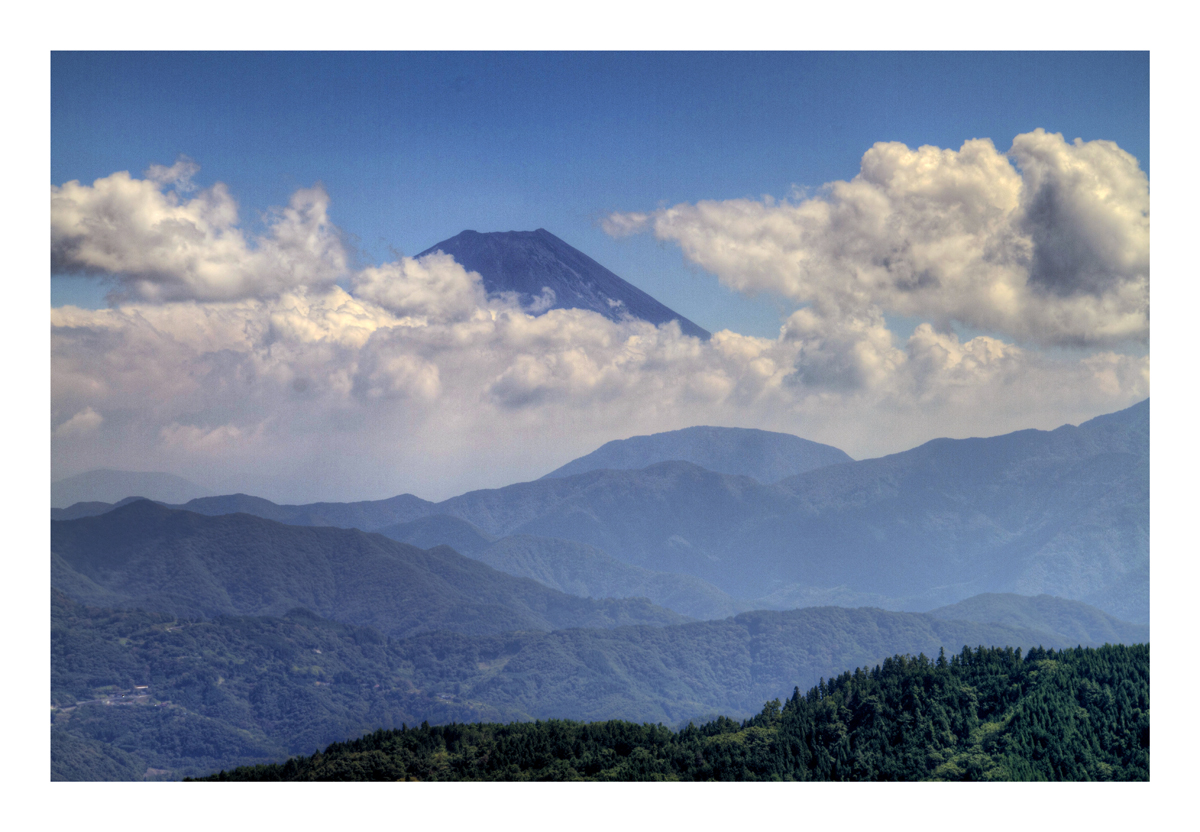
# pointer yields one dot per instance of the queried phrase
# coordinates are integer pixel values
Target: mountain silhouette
(1062, 512)
(164, 560)
(529, 262)
(764, 455)
(109, 485)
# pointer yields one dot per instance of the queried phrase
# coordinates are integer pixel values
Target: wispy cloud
(177, 176)
(85, 421)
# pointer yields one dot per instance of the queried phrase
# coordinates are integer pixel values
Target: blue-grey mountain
(1063, 512)
(764, 455)
(530, 262)
(569, 566)
(1058, 619)
(147, 556)
(108, 485)
(367, 515)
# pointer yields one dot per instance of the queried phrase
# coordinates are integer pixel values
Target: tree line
(982, 714)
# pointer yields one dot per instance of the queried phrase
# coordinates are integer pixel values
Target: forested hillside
(139, 695)
(985, 714)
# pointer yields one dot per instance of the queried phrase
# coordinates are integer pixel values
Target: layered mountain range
(108, 485)
(230, 630)
(668, 578)
(1062, 512)
(153, 558)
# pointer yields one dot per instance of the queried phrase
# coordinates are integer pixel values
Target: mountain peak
(764, 455)
(530, 262)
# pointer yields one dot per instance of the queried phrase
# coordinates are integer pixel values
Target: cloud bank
(275, 381)
(1048, 244)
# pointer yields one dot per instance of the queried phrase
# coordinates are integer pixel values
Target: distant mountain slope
(88, 509)
(249, 688)
(766, 456)
(527, 262)
(568, 566)
(590, 572)
(107, 485)
(671, 674)
(440, 530)
(668, 517)
(188, 564)
(1058, 618)
(1064, 512)
(367, 515)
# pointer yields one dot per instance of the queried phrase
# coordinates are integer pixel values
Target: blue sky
(415, 147)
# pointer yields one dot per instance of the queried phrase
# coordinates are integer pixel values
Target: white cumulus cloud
(158, 246)
(433, 288)
(379, 404)
(1047, 244)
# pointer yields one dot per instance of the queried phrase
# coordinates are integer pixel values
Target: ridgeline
(984, 714)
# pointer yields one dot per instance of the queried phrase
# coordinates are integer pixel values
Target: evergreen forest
(984, 714)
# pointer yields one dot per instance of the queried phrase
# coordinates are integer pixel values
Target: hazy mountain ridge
(568, 566)
(590, 572)
(440, 530)
(107, 485)
(1059, 618)
(527, 262)
(91, 508)
(1063, 512)
(620, 504)
(764, 455)
(367, 515)
(189, 564)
